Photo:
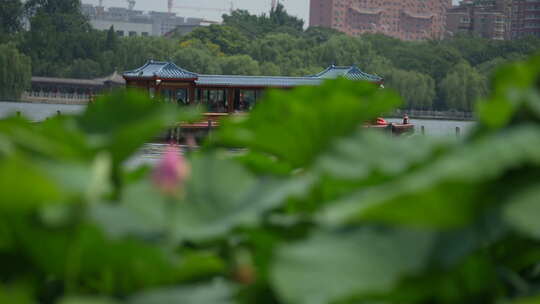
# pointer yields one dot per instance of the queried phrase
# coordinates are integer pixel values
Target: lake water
(439, 127)
(37, 111)
(151, 152)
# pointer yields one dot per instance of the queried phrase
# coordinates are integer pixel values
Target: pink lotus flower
(171, 172)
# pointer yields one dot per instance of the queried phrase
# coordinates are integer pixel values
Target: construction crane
(171, 6)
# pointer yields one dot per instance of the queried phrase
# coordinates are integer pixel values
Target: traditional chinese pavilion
(225, 93)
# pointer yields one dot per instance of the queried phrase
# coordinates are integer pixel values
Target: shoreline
(413, 114)
(49, 102)
(433, 115)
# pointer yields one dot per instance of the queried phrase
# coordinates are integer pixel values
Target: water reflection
(151, 153)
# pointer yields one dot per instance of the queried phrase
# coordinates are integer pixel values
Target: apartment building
(495, 19)
(403, 19)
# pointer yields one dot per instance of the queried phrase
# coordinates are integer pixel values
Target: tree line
(448, 74)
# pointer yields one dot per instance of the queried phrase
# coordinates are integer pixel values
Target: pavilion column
(191, 95)
(230, 99)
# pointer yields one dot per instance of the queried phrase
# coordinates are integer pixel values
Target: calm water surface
(151, 152)
(37, 111)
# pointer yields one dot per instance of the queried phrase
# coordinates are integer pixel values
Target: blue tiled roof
(256, 81)
(160, 69)
(349, 72)
(169, 70)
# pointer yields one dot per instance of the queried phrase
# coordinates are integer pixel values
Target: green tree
(425, 89)
(228, 38)
(488, 67)
(111, 42)
(462, 87)
(281, 19)
(53, 6)
(213, 48)
(274, 47)
(108, 64)
(430, 58)
(11, 13)
(270, 69)
(344, 50)
(239, 65)
(15, 72)
(85, 68)
(416, 89)
(307, 71)
(386, 46)
(133, 52)
(59, 34)
(253, 26)
(282, 49)
(379, 65)
(250, 25)
(197, 60)
(474, 49)
(317, 34)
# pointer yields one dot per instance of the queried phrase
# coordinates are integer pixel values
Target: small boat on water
(395, 128)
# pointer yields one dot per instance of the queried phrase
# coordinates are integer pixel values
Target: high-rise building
(525, 18)
(483, 18)
(495, 19)
(403, 19)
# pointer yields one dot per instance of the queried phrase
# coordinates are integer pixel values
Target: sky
(298, 8)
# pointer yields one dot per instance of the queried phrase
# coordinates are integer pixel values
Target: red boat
(395, 128)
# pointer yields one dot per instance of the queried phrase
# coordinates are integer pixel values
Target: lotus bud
(171, 172)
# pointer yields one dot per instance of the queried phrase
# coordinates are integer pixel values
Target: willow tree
(462, 87)
(15, 72)
(416, 89)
